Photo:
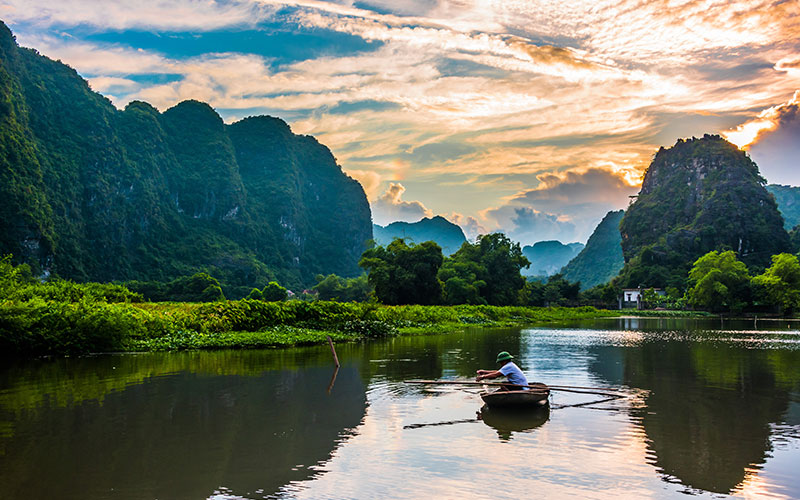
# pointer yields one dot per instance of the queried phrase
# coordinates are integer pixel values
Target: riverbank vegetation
(60, 317)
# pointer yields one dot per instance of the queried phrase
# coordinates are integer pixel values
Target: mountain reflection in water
(713, 399)
(239, 428)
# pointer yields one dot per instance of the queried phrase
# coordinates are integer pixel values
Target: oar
(471, 382)
(541, 387)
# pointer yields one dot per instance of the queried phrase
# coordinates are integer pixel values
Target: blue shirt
(514, 374)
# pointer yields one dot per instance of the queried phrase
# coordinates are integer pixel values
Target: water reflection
(248, 430)
(506, 421)
(711, 413)
(711, 406)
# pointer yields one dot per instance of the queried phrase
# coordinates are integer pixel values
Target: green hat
(504, 356)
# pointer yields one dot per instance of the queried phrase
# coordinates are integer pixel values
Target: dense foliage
(447, 235)
(496, 263)
(601, 260)
(340, 289)
(200, 287)
(93, 193)
(556, 291)
(719, 281)
(779, 285)
(698, 196)
(404, 273)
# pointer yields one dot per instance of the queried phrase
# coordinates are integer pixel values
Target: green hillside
(788, 200)
(601, 260)
(94, 193)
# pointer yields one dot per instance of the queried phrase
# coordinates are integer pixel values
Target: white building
(632, 297)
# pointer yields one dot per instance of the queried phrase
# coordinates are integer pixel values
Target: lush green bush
(199, 287)
(17, 284)
(274, 292)
(38, 327)
(332, 287)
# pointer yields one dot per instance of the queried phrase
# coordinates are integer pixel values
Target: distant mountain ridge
(548, 257)
(601, 260)
(447, 235)
(788, 200)
(93, 193)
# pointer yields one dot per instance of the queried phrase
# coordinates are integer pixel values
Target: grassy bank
(652, 313)
(37, 326)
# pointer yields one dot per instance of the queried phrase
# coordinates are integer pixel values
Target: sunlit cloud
(370, 181)
(768, 120)
(390, 207)
(564, 205)
(773, 140)
(470, 225)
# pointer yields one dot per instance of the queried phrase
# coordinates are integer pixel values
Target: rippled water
(711, 410)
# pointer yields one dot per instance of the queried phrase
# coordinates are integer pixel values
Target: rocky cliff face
(93, 193)
(700, 195)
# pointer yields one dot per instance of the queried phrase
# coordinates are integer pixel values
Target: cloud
(559, 191)
(469, 224)
(565, 206)
(127, 14)
(390, 207)
(369, 180)
(775, 146)
(752, 131)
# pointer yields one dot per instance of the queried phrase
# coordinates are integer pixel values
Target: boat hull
(516, 399)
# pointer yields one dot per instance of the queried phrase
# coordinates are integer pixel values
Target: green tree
(719, 281)
(405, 274)
(333, 287)
(461, 282)
(779, 285)
(492, 266)
(255, 294)
(273, 292)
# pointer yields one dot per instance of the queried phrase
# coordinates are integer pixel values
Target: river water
(710, 410)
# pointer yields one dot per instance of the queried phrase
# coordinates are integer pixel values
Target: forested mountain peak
(702, 194)
(447, 235)
(601, 260)
(94, 193)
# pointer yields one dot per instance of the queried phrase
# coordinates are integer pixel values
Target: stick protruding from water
(333, 351)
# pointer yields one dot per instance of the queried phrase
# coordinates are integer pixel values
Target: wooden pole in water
(333, 350)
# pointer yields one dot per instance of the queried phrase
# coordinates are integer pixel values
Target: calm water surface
(711, 410)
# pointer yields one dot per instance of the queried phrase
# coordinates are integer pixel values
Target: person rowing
(508, 369)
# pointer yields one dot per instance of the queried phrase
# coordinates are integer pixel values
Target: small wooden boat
(534, 398)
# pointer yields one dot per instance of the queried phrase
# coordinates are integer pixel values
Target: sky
(530, 117)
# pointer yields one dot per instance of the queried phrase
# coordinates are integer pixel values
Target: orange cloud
(749, 133)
